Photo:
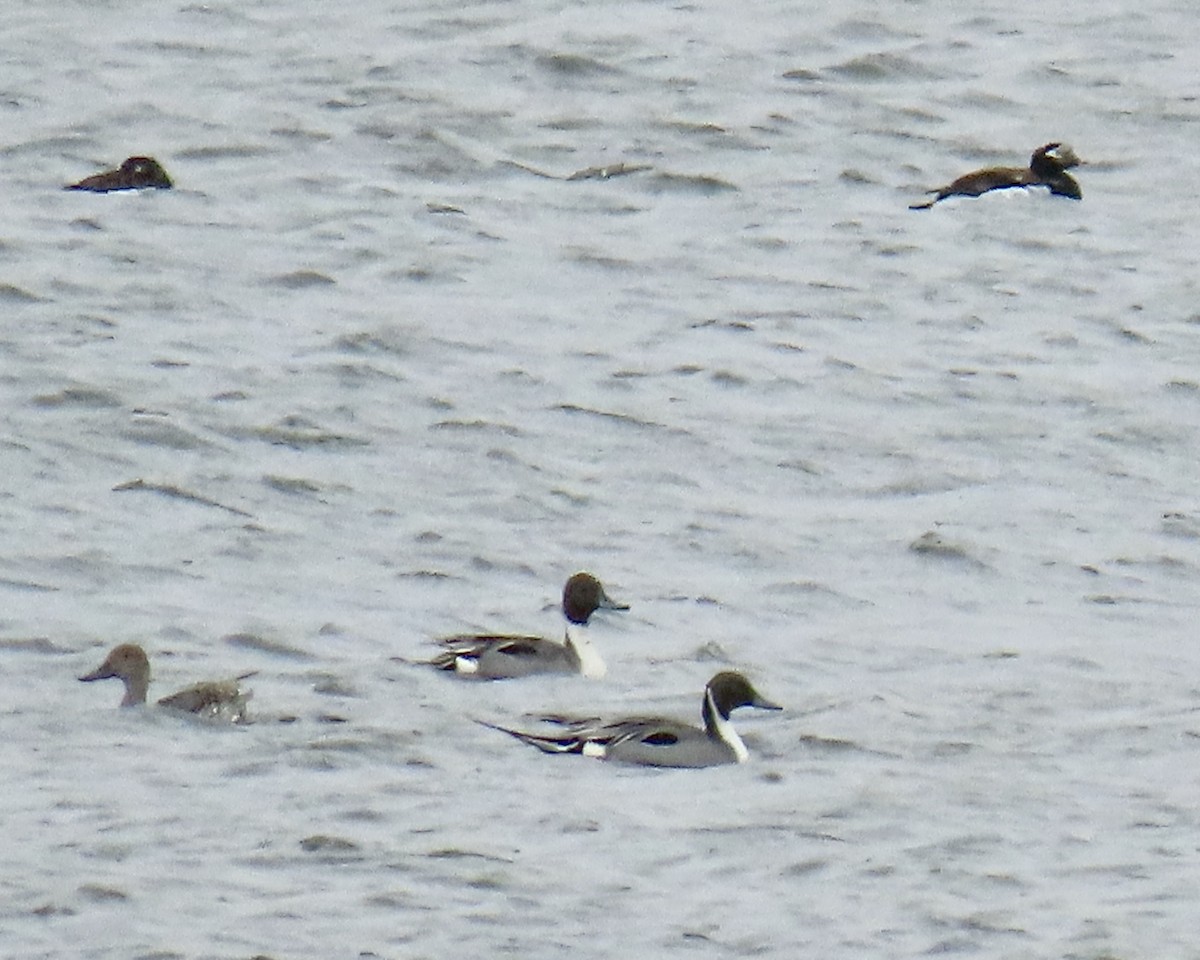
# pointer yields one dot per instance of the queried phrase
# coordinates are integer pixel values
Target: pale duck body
(216, 699)
(505, 656)
(656, 741)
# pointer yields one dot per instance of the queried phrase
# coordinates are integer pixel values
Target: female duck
(1047, 168)
(215, 699)
(657, 742)
(501, 656)
(136, 173)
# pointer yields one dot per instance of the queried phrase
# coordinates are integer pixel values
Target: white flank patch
(466, 665)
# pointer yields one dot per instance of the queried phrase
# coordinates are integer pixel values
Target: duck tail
(446, 660)
(547, 744)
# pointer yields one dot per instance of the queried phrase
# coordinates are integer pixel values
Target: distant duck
(1047, 168)
(657, 742)
(136, 173)
(219, 699)
(503, 656)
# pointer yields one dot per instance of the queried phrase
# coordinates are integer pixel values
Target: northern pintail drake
(216, 699)
(658, 742)
(502, 656)
(1047, 168)
(136, 173)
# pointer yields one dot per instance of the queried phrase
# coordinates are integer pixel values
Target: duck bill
(608, 603)
(100, 673)
(764, 704)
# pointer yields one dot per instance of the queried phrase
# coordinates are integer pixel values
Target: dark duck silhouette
(136, 173)
(1047, 168)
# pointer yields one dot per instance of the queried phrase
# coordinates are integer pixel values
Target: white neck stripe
(725, 732)
(590, 663)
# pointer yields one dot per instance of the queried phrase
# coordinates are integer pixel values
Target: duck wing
(223, 699)
(468, 647)
(650, 732)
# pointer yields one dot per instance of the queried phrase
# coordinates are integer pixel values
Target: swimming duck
(497, 657)
(1047, 168)
(215, 699)
(136, 173)
(657, 742)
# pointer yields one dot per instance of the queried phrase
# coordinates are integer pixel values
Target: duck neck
(719, 727)
(587, 659)
(135, 689)
(1045, 167)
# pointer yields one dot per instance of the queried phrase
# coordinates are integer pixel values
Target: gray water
(365, 377)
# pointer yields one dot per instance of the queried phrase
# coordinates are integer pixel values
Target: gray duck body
(506, 656)
(659, 741)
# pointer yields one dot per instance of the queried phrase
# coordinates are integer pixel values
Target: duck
(214, 699)
(136, 173)
(1047, 168)
(505, 656)
(655, 741)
